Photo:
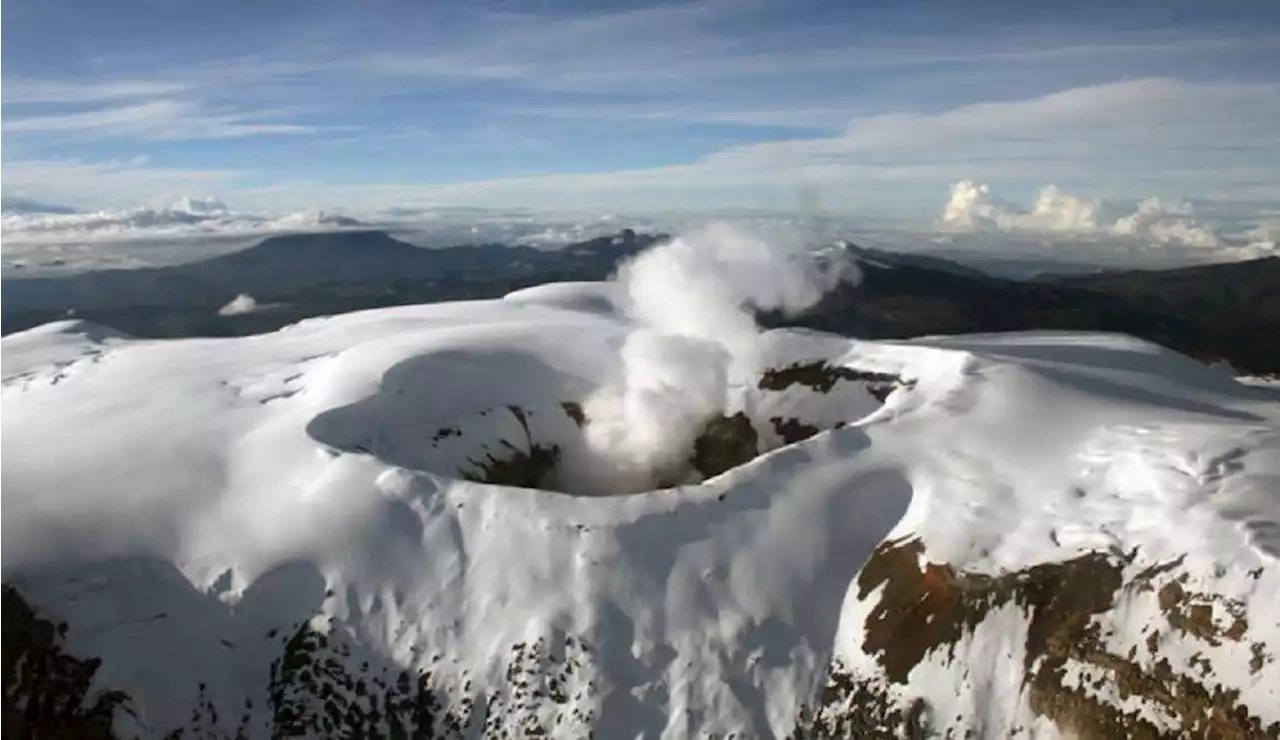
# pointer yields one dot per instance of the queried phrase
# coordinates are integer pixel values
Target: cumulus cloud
(206, 206)
(1262, 242)
(1165, 223)
(311, 221)
(972, 206)
(241, 304)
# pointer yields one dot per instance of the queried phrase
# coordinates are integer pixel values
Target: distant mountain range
(297, 276)
(1216, 312)
(1210, 312)
(28, 205)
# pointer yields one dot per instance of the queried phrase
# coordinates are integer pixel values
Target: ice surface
(184, 505)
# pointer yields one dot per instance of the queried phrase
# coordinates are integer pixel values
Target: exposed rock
(516, 468)
(47, 693)
(822, 377)
(725, 443)
(526, 468)
(850, 707)
(574, 411)
(316, 692)
(445, 433)
(793, 430)
(923, 610)
(316, 689)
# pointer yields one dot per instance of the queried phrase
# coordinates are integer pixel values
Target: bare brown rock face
(921, 611)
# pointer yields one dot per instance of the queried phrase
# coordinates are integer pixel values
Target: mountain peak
(324, 241)
(18, 204)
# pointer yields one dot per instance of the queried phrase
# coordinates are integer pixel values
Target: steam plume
(696, 342)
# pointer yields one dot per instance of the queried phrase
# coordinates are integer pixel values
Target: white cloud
(710, 46)
(59, 91)
(972, 207)
(187, 217)
(1118, 128)
(1140, 133)
(1264, 242)
(115, 183)
(241, 304)
(1165, 223)
(204, 206)
(1144, 134)
(157, 119)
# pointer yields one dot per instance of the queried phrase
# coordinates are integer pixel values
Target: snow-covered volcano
(370, 526)
(528, 428)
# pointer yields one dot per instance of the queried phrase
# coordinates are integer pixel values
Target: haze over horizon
(1148, 122)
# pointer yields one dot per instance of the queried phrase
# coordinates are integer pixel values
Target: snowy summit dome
(357, 526)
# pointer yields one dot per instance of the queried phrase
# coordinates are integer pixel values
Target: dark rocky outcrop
(821, 377)
(528, 466)
(1210, 312)
(921, 612)
(47, 692)
(322, 685)
(725, 443)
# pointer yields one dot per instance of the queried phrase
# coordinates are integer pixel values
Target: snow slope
(291, 535)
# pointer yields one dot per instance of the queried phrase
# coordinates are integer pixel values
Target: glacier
(351, 527)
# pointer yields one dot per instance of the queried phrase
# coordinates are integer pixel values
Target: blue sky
(861, 108)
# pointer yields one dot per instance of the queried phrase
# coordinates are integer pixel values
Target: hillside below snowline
(1210, 312)
(354, 527)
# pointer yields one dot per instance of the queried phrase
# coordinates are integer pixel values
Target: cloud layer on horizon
(972, 206)
(976, 224)
(41, 237)
(186, 217)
